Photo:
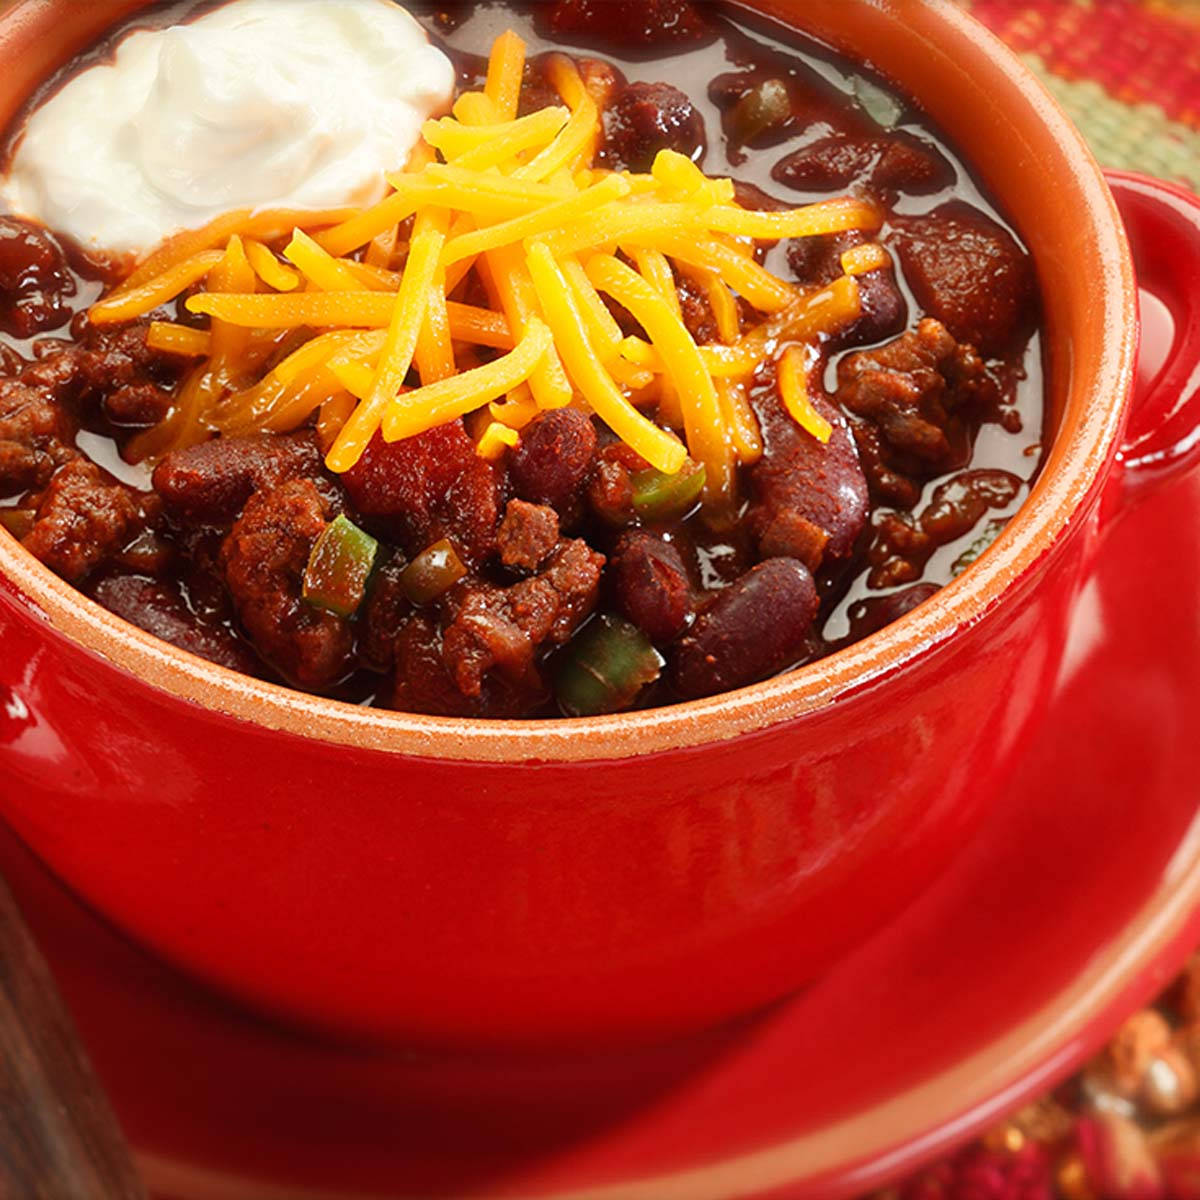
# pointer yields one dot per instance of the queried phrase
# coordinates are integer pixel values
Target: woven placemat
(1126, 71)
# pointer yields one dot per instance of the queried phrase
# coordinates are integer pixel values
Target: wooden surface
(58, 1137)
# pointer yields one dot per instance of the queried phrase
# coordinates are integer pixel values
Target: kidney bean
(808, 500)
(651, 584)
(158, 607)
(969, 273)
(897, 162)
(554, 460)
(209, 484)
(35, 281)
(646, 118)
(755, 628)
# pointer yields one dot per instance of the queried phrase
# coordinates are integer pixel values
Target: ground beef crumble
(82, 520)
(263, 559)
(504, 628)
(918, 393)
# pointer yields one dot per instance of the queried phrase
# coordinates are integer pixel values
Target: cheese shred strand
(397, 354)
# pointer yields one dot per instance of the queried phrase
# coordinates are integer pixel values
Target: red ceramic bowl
(392, 875)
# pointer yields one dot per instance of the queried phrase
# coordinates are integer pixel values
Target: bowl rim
(1072, 474)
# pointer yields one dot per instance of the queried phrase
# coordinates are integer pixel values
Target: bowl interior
(1032, 160)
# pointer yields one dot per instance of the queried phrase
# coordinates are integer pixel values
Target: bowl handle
(1163, 435)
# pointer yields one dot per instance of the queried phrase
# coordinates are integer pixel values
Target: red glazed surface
(383, 874)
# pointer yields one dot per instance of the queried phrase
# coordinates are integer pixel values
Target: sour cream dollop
(260, 103)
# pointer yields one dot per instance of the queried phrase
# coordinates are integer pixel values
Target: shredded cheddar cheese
(381, 248)
(354, 319)
(497, 438)
(331, 416)
(659, 448)
(507, 280)
(737, 361)
(505, 70)
(870, 256)
(178, 339)
(744, 432)
(724, 307)
(434, 354)
(229, 341)
(707, 436)
(577, 142)
(656, 271)
(765, 291)
(361, 227)
(793, 388)
(483, 146)
(476, 108)
(320, 350)
(517, 409)
(415, 412)
(128, 303)
(269, 269)
(355, 376)
(564, 76)
(319, 266)
(396, 357)
(829, 216)
(374, 278)
(362, 310)
(435, 350)
(602, 327)
(265, 225)
(681, 179)
(507, 233)
(632, 378)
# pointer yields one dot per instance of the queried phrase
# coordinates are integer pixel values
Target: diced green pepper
(435, 570)
(605, 668)
(659, 497)
(991, 532)
(763, 107)
(883, 108)
(339, 567)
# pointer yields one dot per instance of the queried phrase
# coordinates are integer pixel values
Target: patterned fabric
(1126, 71)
